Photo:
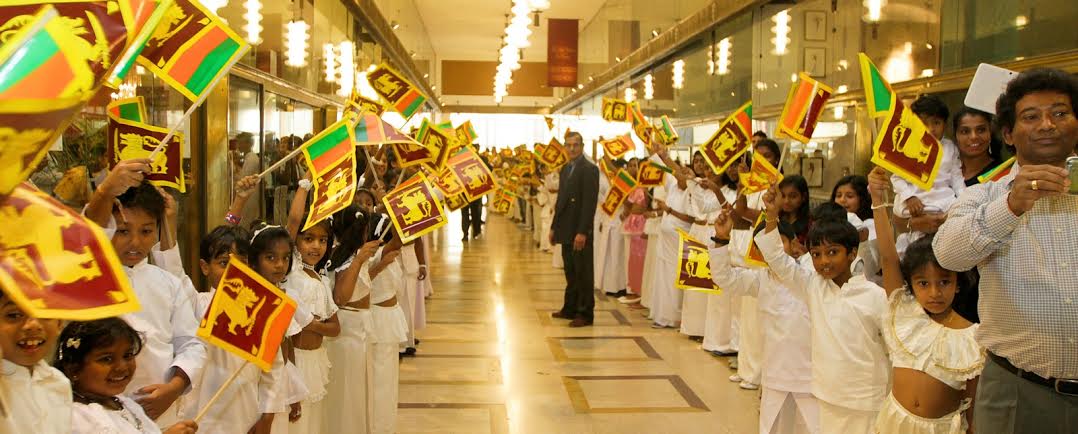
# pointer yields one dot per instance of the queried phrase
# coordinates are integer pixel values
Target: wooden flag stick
(220, 391)
(281, 162)
(190, 110)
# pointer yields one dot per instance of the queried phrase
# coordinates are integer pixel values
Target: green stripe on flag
(212, 66)
(327, 143)
(662, 167)
(131, 112)
(39, 49)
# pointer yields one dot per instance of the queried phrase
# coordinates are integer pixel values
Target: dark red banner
(561, 52)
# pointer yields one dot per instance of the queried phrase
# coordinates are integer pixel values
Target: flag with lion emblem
(414, 208)
(128, 139)
(694, 266)
(248, 316)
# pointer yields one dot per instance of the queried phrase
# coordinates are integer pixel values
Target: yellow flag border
(895, 169)
(682, 237)
(180, 186)
(752, 241)
(782, 129)
(438, 207)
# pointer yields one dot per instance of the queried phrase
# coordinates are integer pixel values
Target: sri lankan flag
(730, 141)
(191, 48)
(401, 94)
(473, 173)
(414, 208)
(878, 92)
(641, 127)
(666, 132)
(549, 122)
(331, 159)
(753, 256)
(618, 146)
(359, 104)
(434, 138)
(130, 109)
(248, 315)
(804, 104)
(456, 202)
(445, 179)
(998, 172)
(56, 264)
(465, 134)
(372, 130)
(503, 201)
(554, 154)
(905, 148)
(141, 18)
(42, 61)
(620, 186)
(129, 139)
(694, 266)
(761, 176)
(615, 110)
(651, 174)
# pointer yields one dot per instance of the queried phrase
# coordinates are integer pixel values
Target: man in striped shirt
(1021, 232)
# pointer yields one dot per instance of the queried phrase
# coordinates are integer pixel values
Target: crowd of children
(852, 326)
(148, 372)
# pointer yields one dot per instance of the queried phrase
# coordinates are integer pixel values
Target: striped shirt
(1029, 274)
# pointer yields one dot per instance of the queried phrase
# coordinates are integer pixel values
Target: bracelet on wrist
(233, 219)
(719, 241)
(306, 184)
(882, 205)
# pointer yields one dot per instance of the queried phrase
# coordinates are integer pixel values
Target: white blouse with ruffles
(915, 341)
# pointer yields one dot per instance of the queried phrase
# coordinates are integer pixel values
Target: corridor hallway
(492, 360)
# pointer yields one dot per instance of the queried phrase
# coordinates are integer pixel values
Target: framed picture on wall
(815, 61)
(815, 26)
(812, 170)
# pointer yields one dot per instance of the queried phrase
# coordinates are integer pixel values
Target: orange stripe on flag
(54, 71)
(191, 59)
(802, 98)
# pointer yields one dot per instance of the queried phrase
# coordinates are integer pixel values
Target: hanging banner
(561, 52)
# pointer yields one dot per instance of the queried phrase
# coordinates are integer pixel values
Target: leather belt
(1062, 386)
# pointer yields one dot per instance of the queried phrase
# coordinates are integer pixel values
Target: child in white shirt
(172, 356)
(36, 397)
(787, 355)
(850, 367)
(99, 358)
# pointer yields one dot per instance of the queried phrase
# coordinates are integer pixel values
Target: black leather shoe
(559, 315)
(580, 322)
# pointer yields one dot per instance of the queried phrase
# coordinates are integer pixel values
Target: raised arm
(245, 188)
(345, 284)
(878, 184)
(299, 207)
(126, 174)
(736, 281)
(770, 243)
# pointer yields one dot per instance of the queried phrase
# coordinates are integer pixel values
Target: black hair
(802, 217)
(920, 253)
(350, 231)
(620, 163)
(264, 238)
(930, 105)
(79, 338)
(701, 155)
(833, 231)
(760, 133)
(1033, 80)
(772, 146)
(569, 134)
(223, 239)
(327, 224)
(785, 229)
(145, 197)
(995, 146)
(860, 186)
(828, 211)
(367, 192)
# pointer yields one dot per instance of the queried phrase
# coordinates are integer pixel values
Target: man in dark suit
(574, 215)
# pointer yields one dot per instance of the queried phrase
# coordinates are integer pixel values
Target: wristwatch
(719, 241)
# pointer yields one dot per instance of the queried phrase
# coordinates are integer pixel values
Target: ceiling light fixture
(679, 74)
(329, 61)
(723, 64)
(781, 30)
(513, 43)
(347, 73)
(253, 15)
(295, 38)
(874, 10)
(630, 94)
(649, 87)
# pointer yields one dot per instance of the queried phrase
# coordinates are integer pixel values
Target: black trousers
(472, 216)
(579, 281)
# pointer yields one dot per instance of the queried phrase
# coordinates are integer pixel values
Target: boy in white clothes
(912, 201)
(850, 367)
(787, 405)
(36, 397)
(172, 356)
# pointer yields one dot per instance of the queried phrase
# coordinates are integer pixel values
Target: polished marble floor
(493, 361)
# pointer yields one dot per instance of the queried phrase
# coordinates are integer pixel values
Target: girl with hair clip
(99, 359)
(348, 352)
(935, 357)
(271, 256)
(705, 202)
(310, 285)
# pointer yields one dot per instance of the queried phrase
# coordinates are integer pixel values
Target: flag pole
(220, 391)
(281, 162)
(201, 99)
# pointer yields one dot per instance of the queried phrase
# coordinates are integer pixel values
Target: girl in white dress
(935, 357)
(666, 302)
(351, 292)
(99, 359)
(309, 284)
(703, 205)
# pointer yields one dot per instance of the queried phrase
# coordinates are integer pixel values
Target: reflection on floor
(492, 360)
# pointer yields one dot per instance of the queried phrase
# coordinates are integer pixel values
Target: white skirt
(388, 325)
(894, 418)
(348, 357)
(314, 369)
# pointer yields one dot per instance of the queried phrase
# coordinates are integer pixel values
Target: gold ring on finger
(1033, 185)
